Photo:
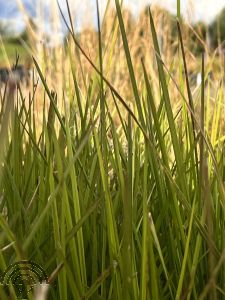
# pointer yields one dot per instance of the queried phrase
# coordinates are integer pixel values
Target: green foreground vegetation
(128, 211)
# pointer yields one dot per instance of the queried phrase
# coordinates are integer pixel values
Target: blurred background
(35, 28)
(21, 18)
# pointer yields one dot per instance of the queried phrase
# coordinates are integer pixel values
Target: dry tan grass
(56, 65)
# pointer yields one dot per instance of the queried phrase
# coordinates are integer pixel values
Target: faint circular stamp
(23, 275)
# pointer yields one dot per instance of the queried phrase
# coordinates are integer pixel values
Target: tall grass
(117, 195)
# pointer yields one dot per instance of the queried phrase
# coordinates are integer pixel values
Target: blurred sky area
(84, 11)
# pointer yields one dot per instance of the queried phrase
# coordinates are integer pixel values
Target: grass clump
(115, 199)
